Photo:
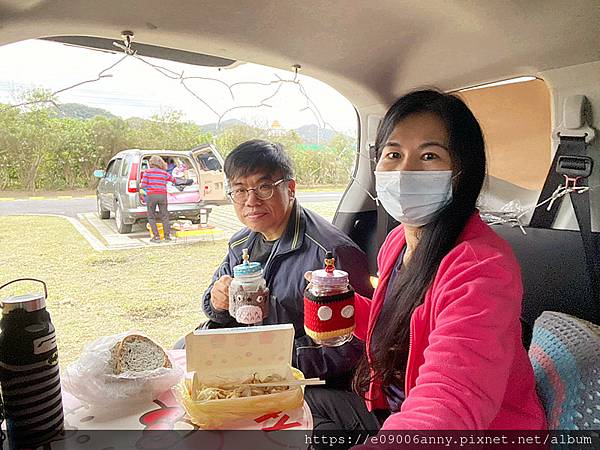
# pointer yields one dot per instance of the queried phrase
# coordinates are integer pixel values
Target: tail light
(132, 183)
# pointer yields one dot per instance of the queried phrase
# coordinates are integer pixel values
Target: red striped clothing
(154, 181)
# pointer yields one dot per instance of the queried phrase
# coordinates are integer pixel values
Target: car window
(109, 169)
(320, 140)
(208, 161)
(113, 169)
(516, 123)
(125, 166)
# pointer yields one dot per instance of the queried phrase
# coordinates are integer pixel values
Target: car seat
(565, 355)
(554, 272)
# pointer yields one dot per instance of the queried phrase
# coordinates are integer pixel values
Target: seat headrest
(574, 121)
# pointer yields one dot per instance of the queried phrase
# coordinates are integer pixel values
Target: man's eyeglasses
(263, 191)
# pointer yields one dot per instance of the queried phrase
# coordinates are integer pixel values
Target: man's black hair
(258, 156)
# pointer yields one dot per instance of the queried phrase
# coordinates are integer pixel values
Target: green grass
(325, 209)
(156, 290)
(323, 188)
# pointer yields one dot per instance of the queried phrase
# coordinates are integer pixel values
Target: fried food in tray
(239, 390)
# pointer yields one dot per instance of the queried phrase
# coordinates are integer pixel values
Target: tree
(40, 149)
(9, 147)
(36, 135)
(65, 162)
(231, 137)
(79, 111)
(325, 164)
(166, 131)
(109, 136)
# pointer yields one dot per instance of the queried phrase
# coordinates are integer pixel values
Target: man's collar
(293, 235)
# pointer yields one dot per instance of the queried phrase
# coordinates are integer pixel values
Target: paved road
(70, 207)
(65, 207)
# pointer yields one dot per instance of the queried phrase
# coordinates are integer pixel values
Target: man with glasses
(288, 241)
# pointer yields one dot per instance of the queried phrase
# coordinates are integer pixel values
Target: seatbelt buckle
(573, 168)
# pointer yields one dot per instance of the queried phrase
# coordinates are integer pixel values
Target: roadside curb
(89, 237)
(42, 197)
(114, 241)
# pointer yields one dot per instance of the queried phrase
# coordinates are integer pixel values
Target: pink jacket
(467, 368)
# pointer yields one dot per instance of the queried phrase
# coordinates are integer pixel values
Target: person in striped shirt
(154, 187)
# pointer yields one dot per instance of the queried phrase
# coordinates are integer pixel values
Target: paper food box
(223, 364)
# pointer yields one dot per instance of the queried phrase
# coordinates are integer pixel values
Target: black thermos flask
(29, 373)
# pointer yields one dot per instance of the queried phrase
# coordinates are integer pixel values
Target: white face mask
(414, 197)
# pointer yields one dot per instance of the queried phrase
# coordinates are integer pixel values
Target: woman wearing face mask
(442, 331)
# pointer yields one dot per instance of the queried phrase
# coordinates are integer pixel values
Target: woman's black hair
(258, 156)
(390, 338)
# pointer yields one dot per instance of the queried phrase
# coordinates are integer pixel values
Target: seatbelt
(572, 166)
(571, 160)
(591, 243)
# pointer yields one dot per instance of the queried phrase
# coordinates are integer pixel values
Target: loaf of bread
(136, 353)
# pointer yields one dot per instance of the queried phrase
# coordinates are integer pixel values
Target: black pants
(339, 413)
(160, 200)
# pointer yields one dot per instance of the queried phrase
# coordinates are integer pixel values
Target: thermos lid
(249, 268)
(336, 278)
(28, 302)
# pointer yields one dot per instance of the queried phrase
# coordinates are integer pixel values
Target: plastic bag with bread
(137, 353)
(124, 368)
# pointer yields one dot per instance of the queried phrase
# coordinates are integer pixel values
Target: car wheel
(102, 213)
(122, 227)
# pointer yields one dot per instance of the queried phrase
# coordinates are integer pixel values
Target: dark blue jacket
(301, 248)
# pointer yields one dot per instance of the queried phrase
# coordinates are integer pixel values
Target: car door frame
(111, 184)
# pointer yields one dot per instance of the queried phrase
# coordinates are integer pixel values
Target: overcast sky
(136, 89)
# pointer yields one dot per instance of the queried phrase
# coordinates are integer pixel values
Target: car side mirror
(99, 173)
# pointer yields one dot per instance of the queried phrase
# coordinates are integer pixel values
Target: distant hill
(312, 134)
(79, 111)
(212, 127)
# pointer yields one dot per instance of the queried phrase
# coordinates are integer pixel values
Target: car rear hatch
(212, 177)
(184, 169)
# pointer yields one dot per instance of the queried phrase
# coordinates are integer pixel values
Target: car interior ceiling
(370, 69)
